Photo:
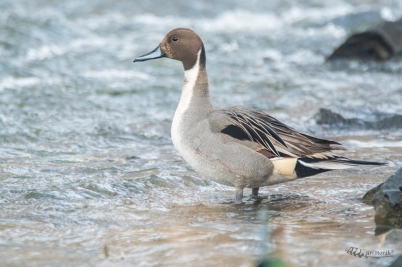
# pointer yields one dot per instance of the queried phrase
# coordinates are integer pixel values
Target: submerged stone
(397, 262)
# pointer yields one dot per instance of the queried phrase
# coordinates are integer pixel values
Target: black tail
(305, 171)
(311, 166)
(361, 162)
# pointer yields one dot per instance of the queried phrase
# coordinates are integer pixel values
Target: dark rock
(387, 203)
(132, 157)
(380, 122)
(392, 189)
(369, 195)
(380, 43)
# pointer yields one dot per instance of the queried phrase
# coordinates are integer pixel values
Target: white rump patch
(284, 166)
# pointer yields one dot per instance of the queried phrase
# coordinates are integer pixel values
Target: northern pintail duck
(237, 146)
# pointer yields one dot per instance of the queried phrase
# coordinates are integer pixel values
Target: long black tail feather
(311, 166)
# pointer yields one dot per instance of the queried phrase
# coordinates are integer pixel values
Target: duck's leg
(239, 195)
(254, 194)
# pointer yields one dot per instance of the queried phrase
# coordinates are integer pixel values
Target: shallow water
(89, 176)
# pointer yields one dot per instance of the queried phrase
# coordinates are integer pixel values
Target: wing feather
(276, 137)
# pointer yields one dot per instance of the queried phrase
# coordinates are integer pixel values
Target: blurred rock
(380, 43)
(133, 157)
(387, 202)
(369, 195)
(381, 122)
(359, 21)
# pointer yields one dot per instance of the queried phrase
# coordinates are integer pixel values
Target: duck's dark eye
(175, 39)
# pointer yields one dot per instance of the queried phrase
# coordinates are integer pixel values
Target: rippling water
(86, 158)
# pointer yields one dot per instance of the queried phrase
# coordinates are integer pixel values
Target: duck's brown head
(180, 44)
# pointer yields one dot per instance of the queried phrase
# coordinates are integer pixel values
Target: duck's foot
(239, 197)
(259, 197)
(254, 195)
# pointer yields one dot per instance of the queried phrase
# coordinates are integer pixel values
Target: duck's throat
(195, 94)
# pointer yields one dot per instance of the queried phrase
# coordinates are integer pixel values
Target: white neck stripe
(190, 79)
